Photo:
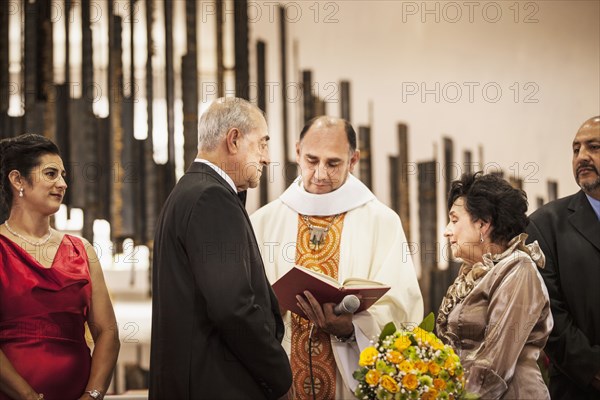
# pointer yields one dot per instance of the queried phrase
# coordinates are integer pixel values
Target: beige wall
(549, 50)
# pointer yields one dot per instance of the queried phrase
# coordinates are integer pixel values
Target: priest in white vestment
(330, 222)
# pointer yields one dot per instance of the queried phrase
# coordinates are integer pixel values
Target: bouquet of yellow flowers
(409, 364)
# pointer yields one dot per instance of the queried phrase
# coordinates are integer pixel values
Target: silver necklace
(317, 234)
(38, 243)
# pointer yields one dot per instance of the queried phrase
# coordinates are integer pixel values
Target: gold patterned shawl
(470, 275)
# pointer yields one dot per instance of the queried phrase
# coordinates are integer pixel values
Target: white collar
(352, 194)
(219, 171)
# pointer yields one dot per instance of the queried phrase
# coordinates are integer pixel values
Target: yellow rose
(421, 334)
(434, 368)
(449, 363)
(430, 338)
(437, 344)
(421, 366)
(439, 384)
(389, 384)
(372, 377)
(394, 357)
(368, 356)
(402, 343)
(410, 381)
(406, 366)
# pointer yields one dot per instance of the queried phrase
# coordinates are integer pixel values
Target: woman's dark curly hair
(22, 153)
(490, 198)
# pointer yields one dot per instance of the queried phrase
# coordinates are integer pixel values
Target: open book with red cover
(325, 289)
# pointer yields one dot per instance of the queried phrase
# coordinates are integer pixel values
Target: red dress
(42, 315)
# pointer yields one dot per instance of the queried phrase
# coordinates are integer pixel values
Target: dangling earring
(480, 237)
(21, 192)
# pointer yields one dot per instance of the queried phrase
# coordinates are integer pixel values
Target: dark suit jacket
(216, 326)
(568, 232)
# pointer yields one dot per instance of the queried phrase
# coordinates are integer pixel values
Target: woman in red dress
(51, 284)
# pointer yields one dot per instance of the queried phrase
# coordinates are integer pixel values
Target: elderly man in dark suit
(216, 324)
(568, 231)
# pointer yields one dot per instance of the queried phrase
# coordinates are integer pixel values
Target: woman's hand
(13, 384)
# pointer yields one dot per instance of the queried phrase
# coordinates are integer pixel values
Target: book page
(325, 289)
(360, 283)
(349, 282)
(327, 279)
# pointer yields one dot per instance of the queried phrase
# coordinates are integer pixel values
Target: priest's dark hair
(330, 121)
(21, 153)
(490, 198)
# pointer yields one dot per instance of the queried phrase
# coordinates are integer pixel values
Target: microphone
(348, 305)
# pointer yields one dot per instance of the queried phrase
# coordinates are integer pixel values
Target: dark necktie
(242, 197)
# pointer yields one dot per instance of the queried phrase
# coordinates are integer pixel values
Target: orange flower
(373, 377)
(394, 357)
(410, 381)
(421, 366)
(434, 368)
(389, 384)
(402, 343)
(368, 356)
(439, 384)
(429, 395)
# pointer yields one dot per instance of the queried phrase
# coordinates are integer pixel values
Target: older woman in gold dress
(496, 314)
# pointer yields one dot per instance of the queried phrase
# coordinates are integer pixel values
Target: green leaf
(428, 323)
(360, 374)
(388, 329)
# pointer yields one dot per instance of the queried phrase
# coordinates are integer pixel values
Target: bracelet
(40, 396)
(95, 394)
(349, 339)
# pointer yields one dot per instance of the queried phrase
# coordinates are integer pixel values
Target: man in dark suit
(568, 231)
(216, 324)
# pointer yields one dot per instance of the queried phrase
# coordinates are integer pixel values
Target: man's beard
(590, 187)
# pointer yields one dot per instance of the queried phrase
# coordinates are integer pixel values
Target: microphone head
(350, 304)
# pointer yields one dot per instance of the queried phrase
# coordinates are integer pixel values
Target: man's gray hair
(222, 115)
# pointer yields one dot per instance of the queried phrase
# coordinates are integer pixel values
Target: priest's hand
(323, 317)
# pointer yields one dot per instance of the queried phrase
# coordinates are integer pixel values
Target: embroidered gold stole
(324, 259)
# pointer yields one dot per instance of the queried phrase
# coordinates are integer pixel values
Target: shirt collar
(595, 205)
(219, 171)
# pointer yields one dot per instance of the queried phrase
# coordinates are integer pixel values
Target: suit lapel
(584, 219)
(198, 167)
